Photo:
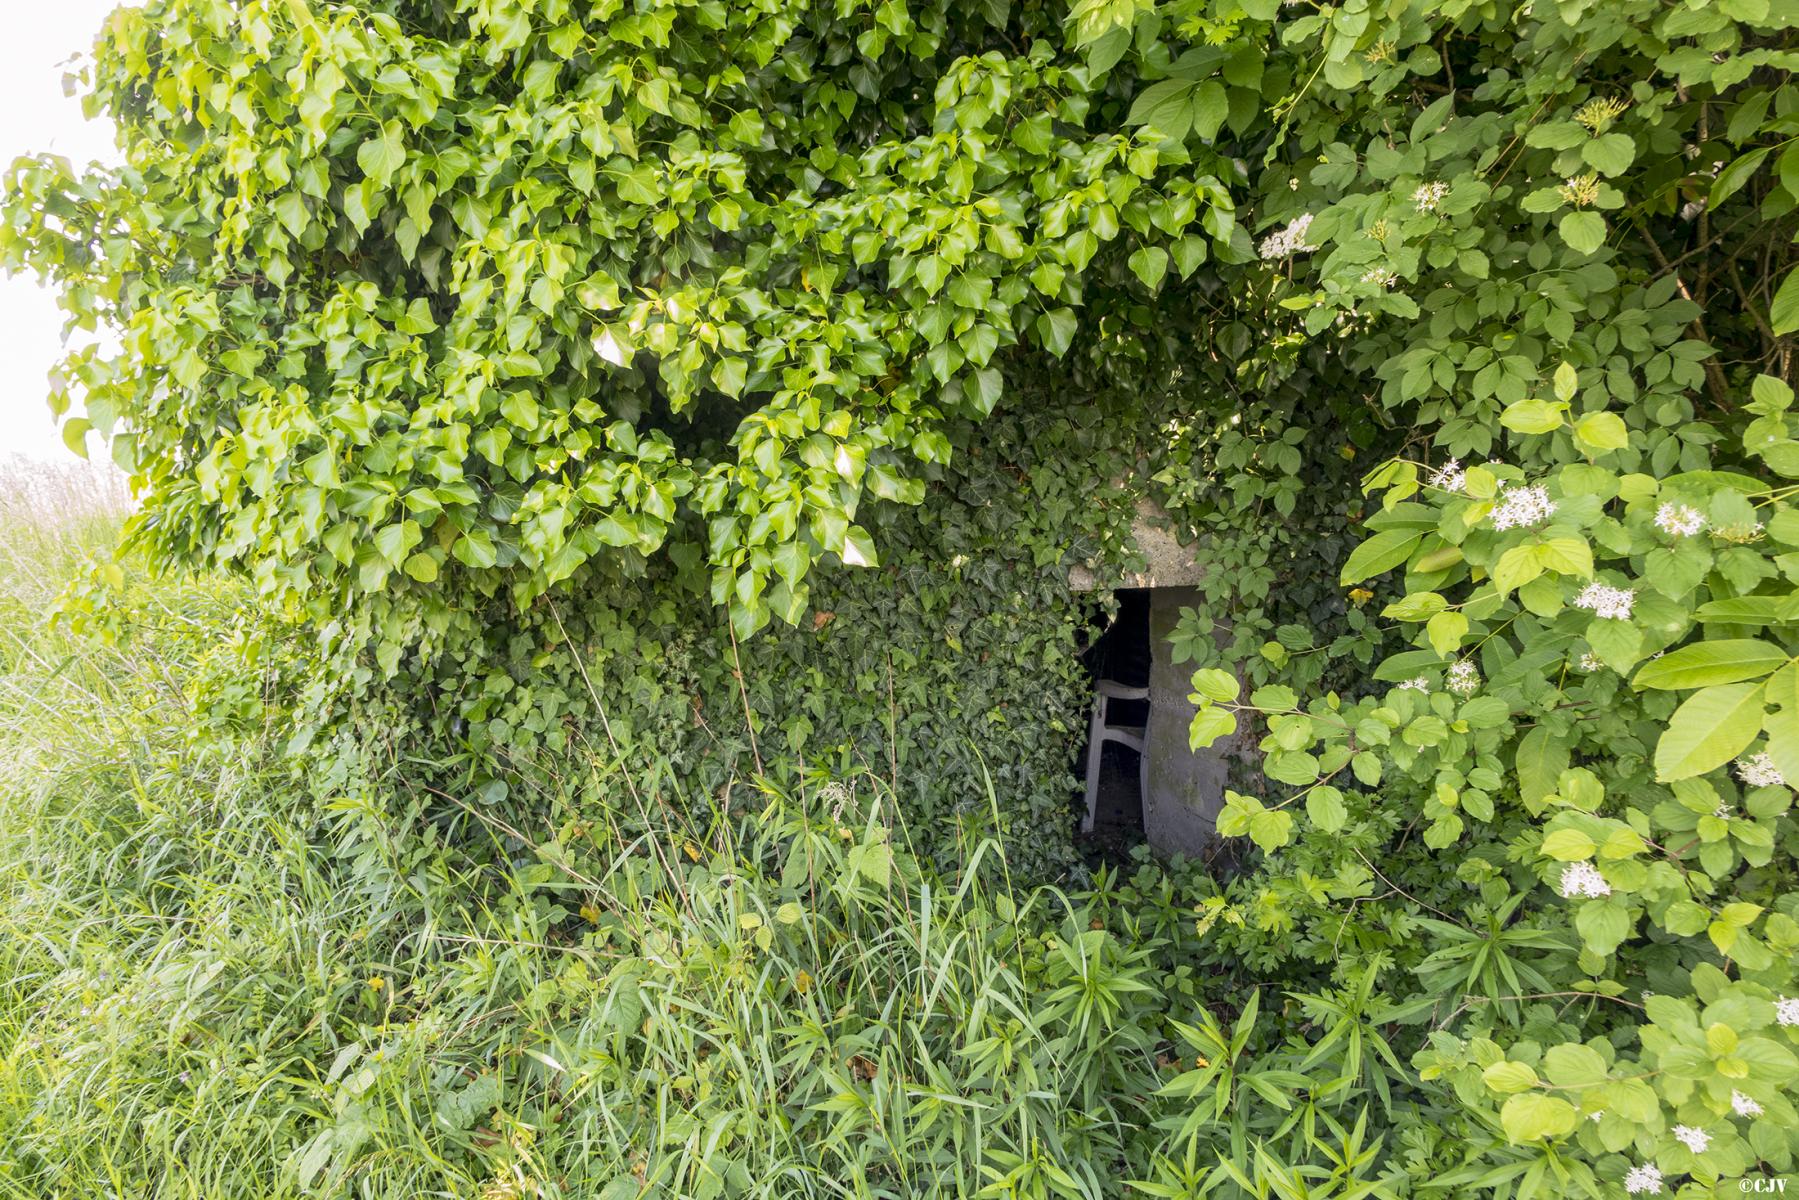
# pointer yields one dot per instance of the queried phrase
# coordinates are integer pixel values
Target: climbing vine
(542, 356)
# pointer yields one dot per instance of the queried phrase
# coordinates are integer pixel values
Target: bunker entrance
(1140, 781)
(1114, 760)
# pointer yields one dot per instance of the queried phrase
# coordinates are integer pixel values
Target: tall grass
(217, 982)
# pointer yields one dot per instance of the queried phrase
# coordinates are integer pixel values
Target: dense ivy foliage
(509, 342)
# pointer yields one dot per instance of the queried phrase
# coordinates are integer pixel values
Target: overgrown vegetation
(522, 362)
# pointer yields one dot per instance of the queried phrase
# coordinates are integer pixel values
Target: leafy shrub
(443, 321)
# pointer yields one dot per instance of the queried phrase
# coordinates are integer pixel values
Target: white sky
(35, 117)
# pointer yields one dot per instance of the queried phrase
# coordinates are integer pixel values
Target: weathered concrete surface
(1186, 787)
(1167, 562)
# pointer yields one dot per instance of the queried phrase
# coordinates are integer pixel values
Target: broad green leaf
(1705, 664)
(1379, 554)
(1217, 685)
(1583, 231)
(1712, 727)
(1535, 1116)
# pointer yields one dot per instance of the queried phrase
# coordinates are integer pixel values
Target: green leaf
(1539, 761)
(1210, 724)
(1216, 685)
(1380, 553)
(1149, 264)
(1535, 1116)
(1601, 431)
(1706, 664)
(1602, 924)
(1568, 845)
(1611, 153)
(1507, 1078)
(383, 155)
(1532, 416)
(1573, 1065)
(1166, 107)
(1583, 231)
(1270, 829)
(1619, 644)
(1714, 726)
(1055, 329)
(1783, 313)
(1446, 631)
(1325, 809)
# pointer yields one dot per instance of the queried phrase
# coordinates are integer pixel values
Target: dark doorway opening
(1118, 661)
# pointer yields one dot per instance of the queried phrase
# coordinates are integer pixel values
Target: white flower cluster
(1724, 812)
(1679, 520)
(1288, 241)
(1449, 477)
(1645, 1178)
(1695, 1140)
(1463, 678)
(1379, 277)
(1607, 601)
(1590, 662)
(1583, 879)
(1786, 1011)
(1429, 196)
(1522, 508)
(1758, 770)
(1744, 1106)
(1420, 684)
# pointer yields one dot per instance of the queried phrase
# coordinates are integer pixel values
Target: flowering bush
(435, 314)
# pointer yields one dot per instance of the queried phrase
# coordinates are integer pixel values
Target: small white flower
(1646, 1178)
(1420, 684)
(1695, 1140)
(1590, 662)
(1583, 879)
(1744, 1106)
(1679, 520)
(1607, 601)
(1724, 812)
(1289, 241)
(1786, 1011)
(1758, 770)
(1463, 678)
(1596, 1114)
(1379, 277)
(1522, 508)
(1449, 477)
(1429, 196)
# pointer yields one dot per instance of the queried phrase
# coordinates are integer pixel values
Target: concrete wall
(1186, 787)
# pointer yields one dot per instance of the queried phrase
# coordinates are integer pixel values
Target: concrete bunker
(1139, 778)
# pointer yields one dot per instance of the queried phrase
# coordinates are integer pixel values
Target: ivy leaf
(1714, 726)
(1165, 107)
(1055, 329)
(382, 155)
(1149, 264)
